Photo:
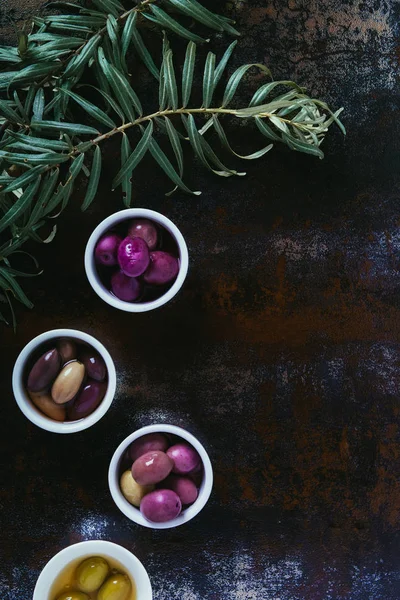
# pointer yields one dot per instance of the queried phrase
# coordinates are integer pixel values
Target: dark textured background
(282, 352)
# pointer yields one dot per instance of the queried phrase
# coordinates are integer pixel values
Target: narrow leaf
(266, 130)
(121, 88)
(14, 287)
(140, 47)
(92, 109)
(187, 74)
(266, 89)
(208, 80)
(8, 112)
(20, 206)
(82, 59)
(40, 142)
(23, 180)
(223, 62)
(58, 126)
(94, 179)
(302, 146)
(170, 80)
(222, 136)
(46, 190)
(163, 19)
(161, 158)
(236, 78)
(135, 157)
(176, 147)
(38, 105)
(126, 181)
(199, 13)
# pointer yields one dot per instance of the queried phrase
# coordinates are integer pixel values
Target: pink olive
(145, 229)
(186, 459)
(163, 268)
(133, 256)
(146, 443)
(107, 248)
(151, 467)
(161, 506)
(126, 288)
(183, 486)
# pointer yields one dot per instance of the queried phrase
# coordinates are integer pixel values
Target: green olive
(91, 573)
(73, 596)
(117, 587)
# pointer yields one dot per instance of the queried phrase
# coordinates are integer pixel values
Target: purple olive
(147, 443)
(162, 269)
(133, 256)
(87, 400)
(125, 288)
(145, 229)
(106, 251)
(151, 467)
(44, 371)
(161, 506)
(94, 364)
(67, 349)
(186, 459)
(183, 486)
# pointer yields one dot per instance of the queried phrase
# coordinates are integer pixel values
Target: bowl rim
(32, 413)
(133, 513)
(103, 227)
(88, 548)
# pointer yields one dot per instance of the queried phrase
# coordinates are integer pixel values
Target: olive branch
(43, 149)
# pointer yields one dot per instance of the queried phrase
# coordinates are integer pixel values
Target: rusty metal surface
(282, 352)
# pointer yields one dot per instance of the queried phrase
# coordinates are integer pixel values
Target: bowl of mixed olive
(64, 380)
(93, 570)
(160, 476)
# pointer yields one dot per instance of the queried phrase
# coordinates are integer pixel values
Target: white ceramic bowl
(112, 221)
(128, 561)
(30, 410)
(133, 513)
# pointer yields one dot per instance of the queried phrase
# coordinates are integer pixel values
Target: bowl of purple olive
(64, 380)
(136, 260)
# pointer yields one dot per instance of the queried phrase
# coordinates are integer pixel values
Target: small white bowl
(128, 561)
(112, 221)
(134, 513)
(33, 413)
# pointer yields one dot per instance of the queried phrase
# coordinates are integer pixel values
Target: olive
(91, 573)
(87, 400)
(73, 596)
(67, 349)
(44, 371)
(68, 382)
(94, 365)
(117, 587)
(45, 403)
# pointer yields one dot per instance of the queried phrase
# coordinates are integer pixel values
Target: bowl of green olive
(93, 570)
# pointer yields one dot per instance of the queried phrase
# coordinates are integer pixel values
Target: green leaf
(20, 206)
(208, 80)
(44, 195)
(34, 72)
(29, 99)
(223, 62)
(236, 78)
(201, 148)
(266, 130)
(112, 30)
(57, 145)
(126, 181)
(14, 287)
(109, 99)
(20, 107)
(222, 136)
(176, 147)
(135, 157)
(187, 74)
(131, 33)
(109, 7)
(267, 88)
(121, 88)
(199, 13)
(94, 179)
(8, 112)
(21, 181)
(295, 144)
(163, 19)
(38, 105)
(91, 109)
(38, 159)
(81, 60)
(59, 126)
(161, 158)
(170, 81)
